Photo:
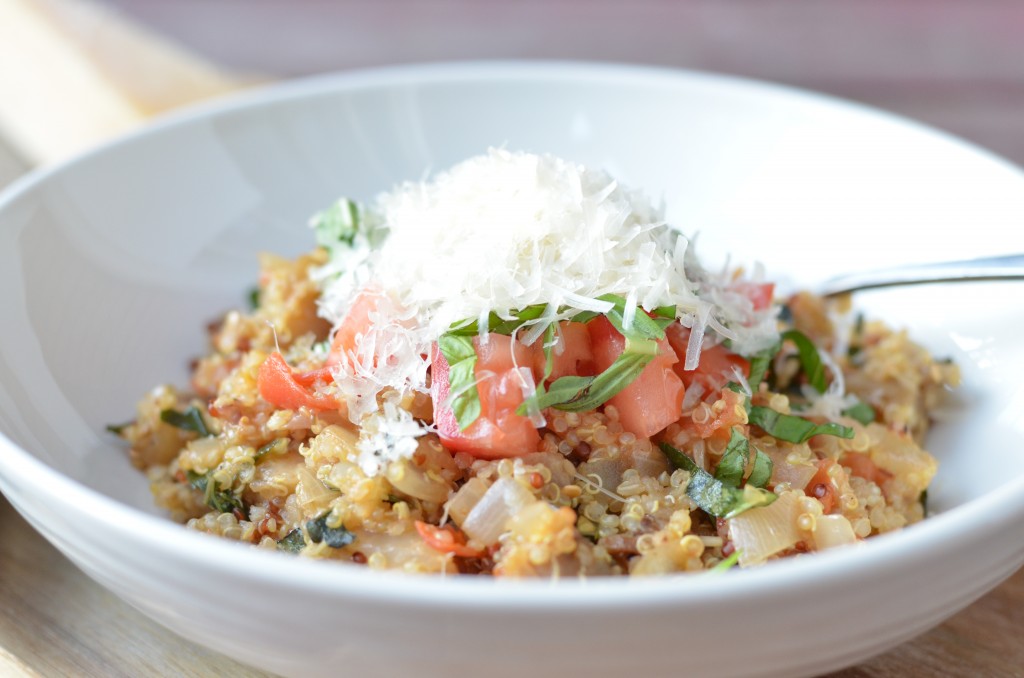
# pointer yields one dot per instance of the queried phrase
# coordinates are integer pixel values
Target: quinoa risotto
(518, 369)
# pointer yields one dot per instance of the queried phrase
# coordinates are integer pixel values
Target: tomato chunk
(654, 399)
(821, 487)
(573, 356)
(760, 294)
(502, 365)
(861, 465)
(345, 344)
(717, 365)
(279, 386)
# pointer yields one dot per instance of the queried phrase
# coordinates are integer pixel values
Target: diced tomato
(760, 294)
(279, 386)
(446, 540)
(573, 356)
(655, 398)
(726, 413)
(862, 466)
(498, 431)
(716, 367)
(352, 328)
(821, 487)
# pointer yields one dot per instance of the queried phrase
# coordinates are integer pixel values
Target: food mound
(519, 369)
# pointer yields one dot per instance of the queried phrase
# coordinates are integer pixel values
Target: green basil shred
(223, 501)
(861, 412)
(189, 420)
(713, 496)
(463, 394)
(335, 537)
(793, 429)
(810, 359)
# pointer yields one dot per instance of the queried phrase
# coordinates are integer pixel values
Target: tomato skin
(351, 329)
(760, 294)
(716, 367)
(279, 386)
(576, 357)
(861, 465)
(821, 487)
(654, 399)
(498, 432)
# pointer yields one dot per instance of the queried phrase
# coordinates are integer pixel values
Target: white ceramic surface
(111, 264)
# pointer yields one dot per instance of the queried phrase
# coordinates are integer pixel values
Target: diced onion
(486, 522)
(833, 530)
(762, 532)
(413, 481)
(463, 501)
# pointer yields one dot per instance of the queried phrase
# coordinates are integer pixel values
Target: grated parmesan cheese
(506, 230)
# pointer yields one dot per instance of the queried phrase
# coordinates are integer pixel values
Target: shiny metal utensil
(1006, 267)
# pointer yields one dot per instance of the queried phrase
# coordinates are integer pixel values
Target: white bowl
(111, 264)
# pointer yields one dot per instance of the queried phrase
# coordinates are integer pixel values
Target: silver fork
(1004, 267)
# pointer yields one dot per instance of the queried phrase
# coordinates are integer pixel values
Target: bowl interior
(110, 266)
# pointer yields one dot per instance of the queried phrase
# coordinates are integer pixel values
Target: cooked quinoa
(291, 466)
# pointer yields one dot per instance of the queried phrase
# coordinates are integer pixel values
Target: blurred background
(76, 72)
(953, 64)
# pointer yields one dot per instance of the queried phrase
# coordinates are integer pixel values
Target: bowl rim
(996, 509)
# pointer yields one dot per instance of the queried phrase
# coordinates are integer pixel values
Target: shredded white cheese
(507, 230)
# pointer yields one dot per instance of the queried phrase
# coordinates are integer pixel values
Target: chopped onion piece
(762, 532)
(833, 530)
(463, 501)
(486, 521)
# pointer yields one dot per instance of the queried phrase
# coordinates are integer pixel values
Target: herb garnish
(726, 564)
(293, 542)
(712, 495)
(189, 420)
(793, 429)
(861, 412)
(734, 462)
(335, 537)
(118, 429)
(810, 359)
(339, 223)
(464, 396)
(223, 501)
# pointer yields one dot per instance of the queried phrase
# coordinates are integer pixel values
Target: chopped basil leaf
(734, 460)
(713, 496)
(461, 357)
(924, 501)
(339, 223)
(793, 429)
(254, 298)
(759, 364)
(118, 429)
(810, 359)
(785, 313)
(293, 542)
(276, 446)
(862, 412)
(762, 471)
(644, 327)
(727, 563)
(335, 537)
(497, 324)
(223, 501)
(576, 394)
(189, 420)
(668, 312)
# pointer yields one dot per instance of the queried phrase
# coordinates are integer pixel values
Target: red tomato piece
(654, 399)
(498, 431)
(446, 540)
(760, 294)
(716, 367)
(278, 385)
(576, 357)
(861, 465)
(351, 329)
(821, 487)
